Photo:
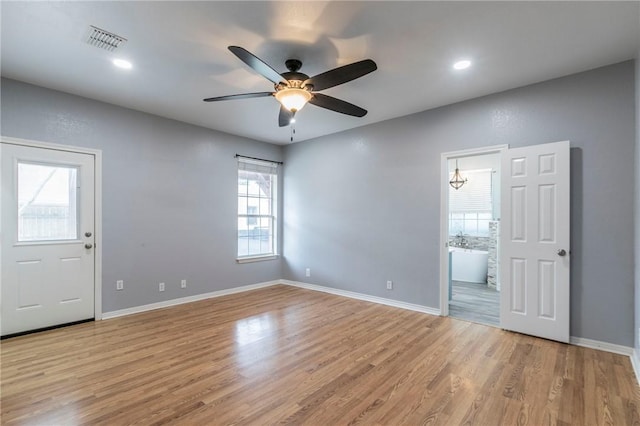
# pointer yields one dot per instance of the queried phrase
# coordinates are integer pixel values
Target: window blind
(257, 166)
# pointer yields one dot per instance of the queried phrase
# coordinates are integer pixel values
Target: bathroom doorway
(470, 228)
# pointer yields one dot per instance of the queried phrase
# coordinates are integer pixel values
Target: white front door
(47, 226)
(534, 241)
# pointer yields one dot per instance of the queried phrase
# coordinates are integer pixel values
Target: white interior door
(535, 241)
(47, 228)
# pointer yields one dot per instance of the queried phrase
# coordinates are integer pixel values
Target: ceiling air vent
(104, 39)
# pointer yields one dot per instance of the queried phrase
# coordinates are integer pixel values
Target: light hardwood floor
(294, 356)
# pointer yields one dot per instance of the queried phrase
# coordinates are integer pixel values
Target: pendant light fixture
(457, 181)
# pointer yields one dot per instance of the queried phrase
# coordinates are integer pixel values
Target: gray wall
(169, 193)
(363, 206)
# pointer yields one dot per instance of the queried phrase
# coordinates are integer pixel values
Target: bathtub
(469, 265)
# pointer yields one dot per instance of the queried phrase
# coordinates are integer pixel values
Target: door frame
(444, 216)
(97, 156)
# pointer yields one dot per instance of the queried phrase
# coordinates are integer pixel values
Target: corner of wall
(636, 215)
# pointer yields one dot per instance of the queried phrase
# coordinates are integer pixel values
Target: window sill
(257, 258)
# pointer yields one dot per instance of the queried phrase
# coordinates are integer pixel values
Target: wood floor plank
(475, 302)
(283, 355)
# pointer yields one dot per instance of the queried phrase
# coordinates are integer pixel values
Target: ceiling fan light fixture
(293, 99)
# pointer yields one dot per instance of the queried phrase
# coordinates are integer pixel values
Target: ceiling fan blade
(285, 116)
(337, 105)
(257, 64)
(240, 96)
(342, 74)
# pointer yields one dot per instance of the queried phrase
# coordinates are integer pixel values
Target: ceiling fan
(294, 89)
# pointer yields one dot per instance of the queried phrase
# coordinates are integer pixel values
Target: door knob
(562, 252)
(88, 246)
(87, 234)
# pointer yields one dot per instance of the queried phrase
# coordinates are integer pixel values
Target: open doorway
(470, 228)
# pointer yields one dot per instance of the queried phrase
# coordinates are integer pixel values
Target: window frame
(266, 168)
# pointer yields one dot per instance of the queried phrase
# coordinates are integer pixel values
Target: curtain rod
(259, 159)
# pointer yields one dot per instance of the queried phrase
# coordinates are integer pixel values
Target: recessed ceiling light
(461, 65)
(121, 63)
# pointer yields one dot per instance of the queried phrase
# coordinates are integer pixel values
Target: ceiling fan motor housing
(293, 65)
(294, 81)
(294, 78)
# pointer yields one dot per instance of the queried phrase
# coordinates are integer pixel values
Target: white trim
(46, 243)
(97, 231)
(337, 292)
(444, 215)
(475, 151)
(257, 258)
(188, 299)
(365, 297)
(603, 346)
(49, 145)
(635, 363)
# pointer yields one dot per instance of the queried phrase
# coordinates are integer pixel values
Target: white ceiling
(179, 52)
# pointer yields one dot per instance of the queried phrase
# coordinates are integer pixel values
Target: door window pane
(47, 202)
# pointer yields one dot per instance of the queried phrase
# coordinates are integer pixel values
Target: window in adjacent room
(257, 195)
(470, 207)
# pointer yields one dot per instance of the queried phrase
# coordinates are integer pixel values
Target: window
(47, 202)
(471, 207)
(257, 190)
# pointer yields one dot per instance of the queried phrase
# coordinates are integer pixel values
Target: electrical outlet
(161, 287)
(389, 285)
(119, 285)
(183, 284)
(307, 272)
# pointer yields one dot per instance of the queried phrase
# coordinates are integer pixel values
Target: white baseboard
(365, 297)
(188, 299)
(338, 292)
(635, 363)
(603, 346)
